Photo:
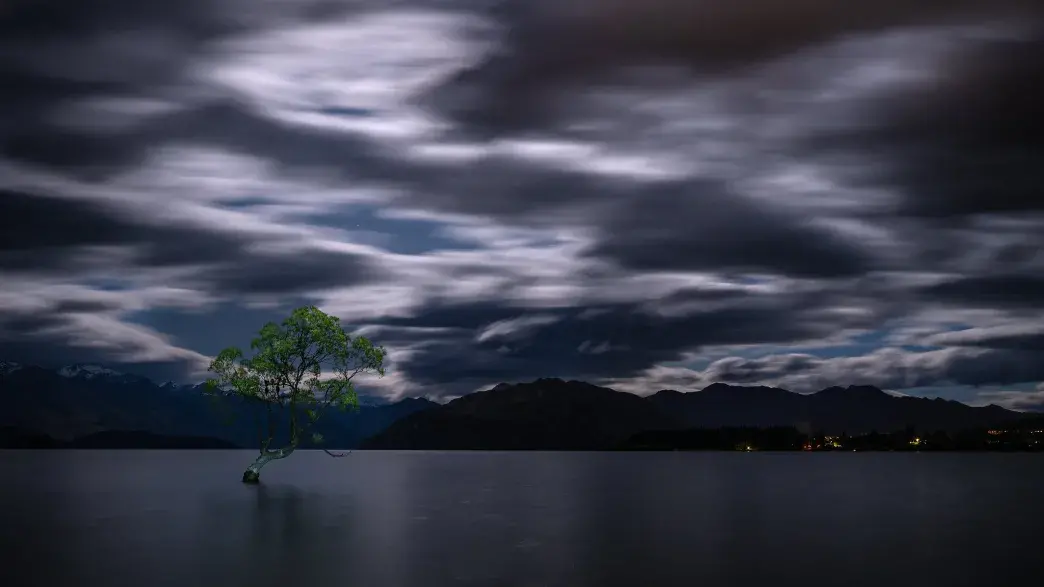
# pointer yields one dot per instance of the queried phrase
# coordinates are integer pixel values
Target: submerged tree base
(253, 472)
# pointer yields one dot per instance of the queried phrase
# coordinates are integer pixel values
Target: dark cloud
(219, 123)
(989, 291)
(291, 272)
(91, 90)
(966, 141)
(996, 367)
(739, 370)
(33, 21)
(694, 226)
(560, 44)
(26, 325)
(85, 306)
(48, 235)
(684, 225)
(681, 225)
(971, 143)
(1016, 337)
(44, 19)
(34, 223)
(512, 343)
(1018, 342)
(885, 368)
(44, 235)
(56, 55)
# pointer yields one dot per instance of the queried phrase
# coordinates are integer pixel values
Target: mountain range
(555, 414)
(81, 400)
(78, 404)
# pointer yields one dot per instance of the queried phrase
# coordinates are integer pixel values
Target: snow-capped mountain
(98, 373)
(87, 371)
(8, 367)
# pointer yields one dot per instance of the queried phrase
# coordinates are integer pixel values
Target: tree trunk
(253, 472)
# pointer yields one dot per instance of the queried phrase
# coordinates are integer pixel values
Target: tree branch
(337, 454)
(271, 421)
(286, 450)
(293, 423)
(258, 425)
(302, 351)
(329, 400)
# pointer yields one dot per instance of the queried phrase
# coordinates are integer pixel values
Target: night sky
(645, 194)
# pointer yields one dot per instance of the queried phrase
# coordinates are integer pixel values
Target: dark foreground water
(157, 518)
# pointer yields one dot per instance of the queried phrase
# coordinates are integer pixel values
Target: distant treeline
(1027, 436)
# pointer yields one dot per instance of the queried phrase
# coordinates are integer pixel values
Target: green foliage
(306, 363)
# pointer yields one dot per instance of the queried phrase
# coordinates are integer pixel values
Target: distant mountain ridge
(91, 371)
(80, 400)
(853, 409)
(574, 415)
(545, 414)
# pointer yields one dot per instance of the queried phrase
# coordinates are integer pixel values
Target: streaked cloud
(800, 195)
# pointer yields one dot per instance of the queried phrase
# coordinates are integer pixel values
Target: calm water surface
(375, 519)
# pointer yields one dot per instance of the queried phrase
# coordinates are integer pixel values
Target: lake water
(376, 519)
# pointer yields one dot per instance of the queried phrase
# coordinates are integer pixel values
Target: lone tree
(299, 369)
